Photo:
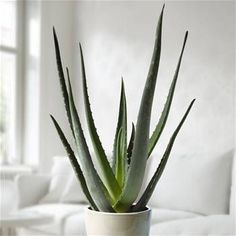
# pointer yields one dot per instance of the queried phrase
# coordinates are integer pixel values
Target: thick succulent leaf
(74, 164)
(121, 161)
(121, 123)
(94, 183)
(107, 174)
(131, 144)
(162, 121)
(139, 155)
(152, 184)
(62, 79)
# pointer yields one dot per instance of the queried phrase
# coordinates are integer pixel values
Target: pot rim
(148, 209)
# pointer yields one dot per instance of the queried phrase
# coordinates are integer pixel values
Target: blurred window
(9, 79)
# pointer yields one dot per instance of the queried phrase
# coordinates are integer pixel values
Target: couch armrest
(31, 188)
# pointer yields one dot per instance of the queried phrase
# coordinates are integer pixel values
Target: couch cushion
(196, 183)
(59, 211)
(73, 192)
(60, 175)
(161, 215)
(206, 225)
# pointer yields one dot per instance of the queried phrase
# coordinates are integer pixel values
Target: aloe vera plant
(116, 187)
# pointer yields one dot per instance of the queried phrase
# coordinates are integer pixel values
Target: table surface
(22, 219)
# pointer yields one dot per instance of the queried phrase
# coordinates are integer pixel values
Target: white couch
(194, 196)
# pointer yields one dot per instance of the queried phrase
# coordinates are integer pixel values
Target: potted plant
(112, 194)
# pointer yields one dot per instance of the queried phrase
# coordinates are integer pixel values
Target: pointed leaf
(95, 185)
(131, 144)
(162, 121)
(121, 123)
(62, 79)
(139, 155)
(74, 164)
(152, 184)
(120, 161)
(107, 174)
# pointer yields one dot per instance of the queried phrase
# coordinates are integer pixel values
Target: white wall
(43, 95)
(117, 38)
(61, 15)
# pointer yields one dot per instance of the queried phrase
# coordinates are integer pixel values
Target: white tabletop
(22, 219)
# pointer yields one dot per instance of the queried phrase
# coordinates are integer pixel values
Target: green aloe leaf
(131, 144)
(121, 124)
(121, 162)
(74, 164)
(95, 185)
(62, 79)
(152, 184)
(140, 150)
(162, 121)
(107, 174)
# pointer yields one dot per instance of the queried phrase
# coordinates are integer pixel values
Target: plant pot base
(117, 224)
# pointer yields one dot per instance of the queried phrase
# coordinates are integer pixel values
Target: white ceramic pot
(117, 224)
